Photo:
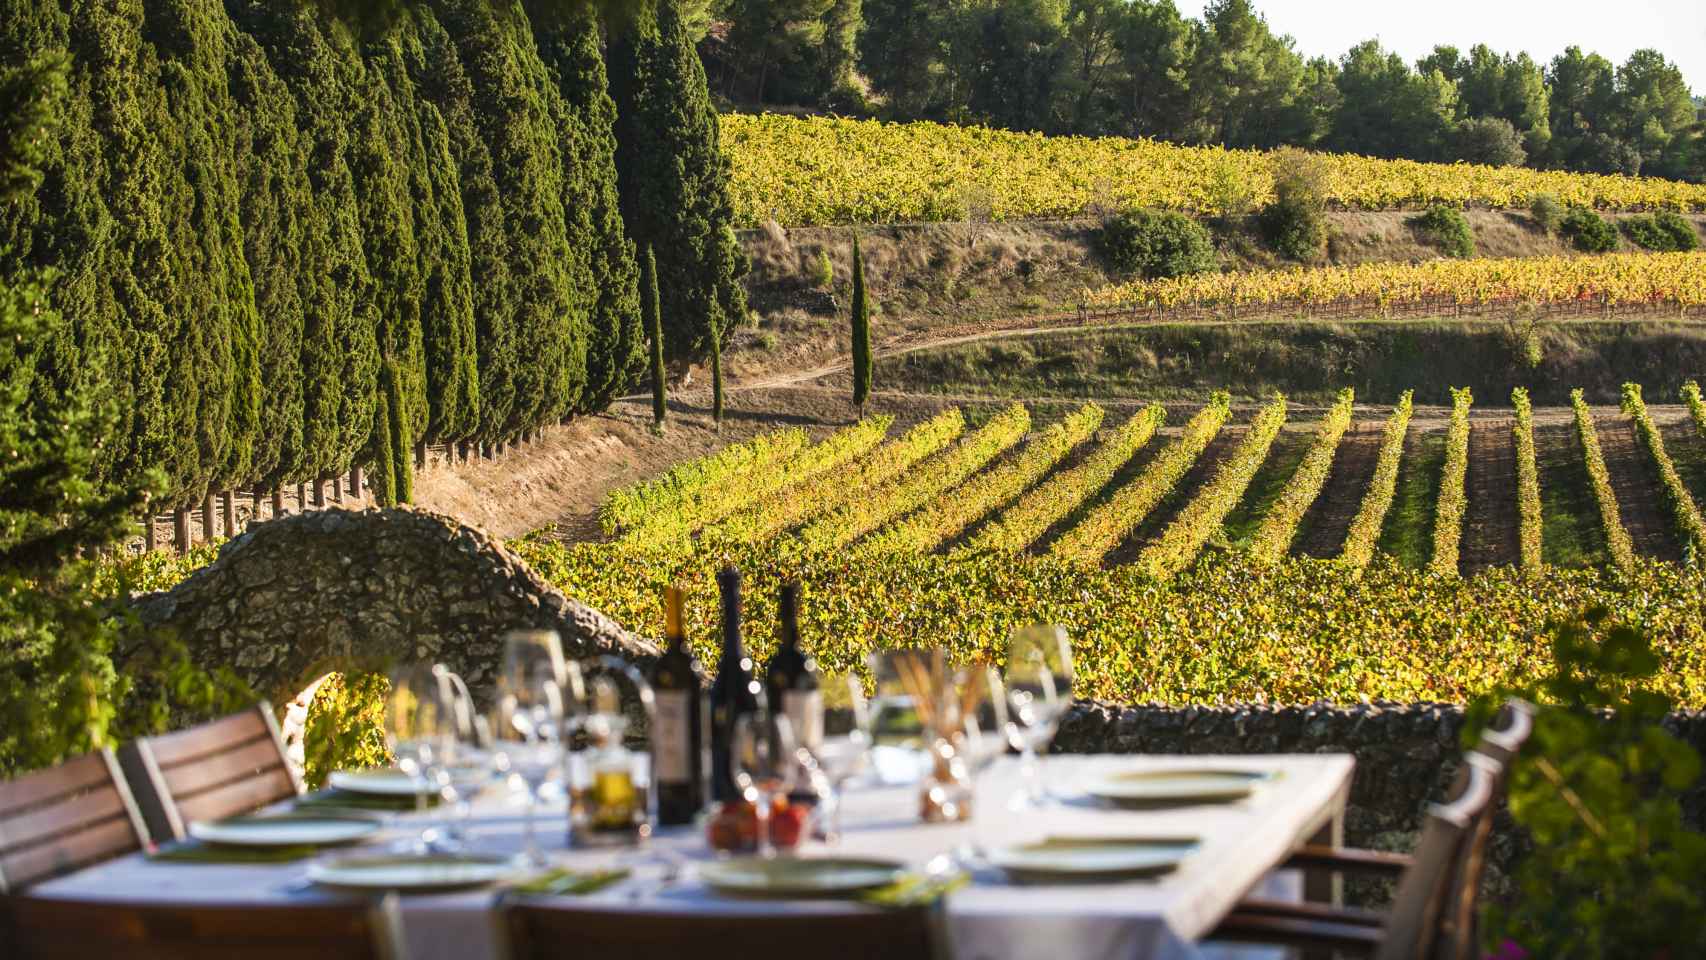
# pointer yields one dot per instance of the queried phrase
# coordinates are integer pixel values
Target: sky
(1676, 28)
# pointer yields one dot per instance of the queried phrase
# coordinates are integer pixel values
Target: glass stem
(1029, 769)
(530, 839)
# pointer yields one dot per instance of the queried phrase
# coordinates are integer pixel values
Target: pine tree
(674, 177)
(861, 332)
(654, 327)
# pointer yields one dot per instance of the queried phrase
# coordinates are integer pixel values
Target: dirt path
(1201, 472)
(1640, 498)
(1329, 517)
(1491, 524)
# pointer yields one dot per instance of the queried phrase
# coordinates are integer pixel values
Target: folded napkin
(916, 890)
(194, 851)
(562, 883)
(334, 799)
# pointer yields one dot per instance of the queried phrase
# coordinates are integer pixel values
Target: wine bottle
(791, 681)
(680, 754)
(734, 694)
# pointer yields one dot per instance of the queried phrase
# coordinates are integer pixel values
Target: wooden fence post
(209, 524)
(228, 510)
(149, 541)
(181, 530)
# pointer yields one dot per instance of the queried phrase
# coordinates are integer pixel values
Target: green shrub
(1293, 223)
(1446, 228)
(823, 271)
(1547, 212)
(1588, 231)
(1156, 245)
(1663, 232)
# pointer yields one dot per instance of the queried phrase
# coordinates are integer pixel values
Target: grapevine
(1527, 483)
(1448, 514)
(1683, 511)
(1377, 499)
(1616, 536)
(1273, 538)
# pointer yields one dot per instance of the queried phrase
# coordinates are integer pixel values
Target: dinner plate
(1175, 787)
(282, 831)
(1092, 858)
(799, 876)
(391, 782)
(433, 871)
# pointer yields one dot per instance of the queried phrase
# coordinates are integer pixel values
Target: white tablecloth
(988, 920)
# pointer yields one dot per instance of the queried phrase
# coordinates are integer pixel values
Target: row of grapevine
(945, 517)
(1177, 545)
(1025, 522)
(919, 486)
(831, 490)
(1617, 541)
(719, 499)
(1527, 483)
(1364, 531)
(1102, 529)
(822, 170)
(1616, 278)
(692, 488)
(1448, 514)
(1273, 538)
(1682, 508)
(1696, 408)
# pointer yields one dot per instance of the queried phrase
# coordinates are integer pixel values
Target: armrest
(1311, 911)
(1349, 859)
(1348, 939)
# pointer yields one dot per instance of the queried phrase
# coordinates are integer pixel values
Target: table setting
(936, 788)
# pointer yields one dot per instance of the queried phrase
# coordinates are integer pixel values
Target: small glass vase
(945, 795)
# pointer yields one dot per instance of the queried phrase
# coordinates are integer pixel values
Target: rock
(302, 595)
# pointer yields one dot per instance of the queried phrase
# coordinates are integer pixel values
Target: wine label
(670, 729)
(804, 709)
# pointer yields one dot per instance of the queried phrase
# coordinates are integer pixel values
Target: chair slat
(64, 818)
(237, 797)
(213, 737)
(44, 786)
(78, 812)
(251, 759)
(68, 853)
(48, 929)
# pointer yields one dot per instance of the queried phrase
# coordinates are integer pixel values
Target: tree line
(274, 243)
(1138, 68)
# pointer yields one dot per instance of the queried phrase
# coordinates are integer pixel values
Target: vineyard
(1120, 526)
(800, 171)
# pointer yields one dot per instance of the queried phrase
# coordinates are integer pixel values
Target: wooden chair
(56, 821)
(1456, 918)
(50, 929)
(230, 766)
(541, 931)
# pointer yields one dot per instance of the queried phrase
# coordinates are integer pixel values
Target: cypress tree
(861, 332)
(674, 177)
(654, 328)
(716, 377)
(383, 468)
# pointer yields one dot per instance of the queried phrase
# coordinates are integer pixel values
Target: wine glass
(527, 718)
(846, 756)
(469, 770)
(419, 732)
(1039, 689)
(761, 762)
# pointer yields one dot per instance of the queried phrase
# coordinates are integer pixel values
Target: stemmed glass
(1039, 689)
(846, 756)
(763, 768)
(471, 766)
(527, 720)
(420, 733)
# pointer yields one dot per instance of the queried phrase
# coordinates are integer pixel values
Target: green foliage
(1364, 532)
(824, 270)
(1156, 244)
(1453, 499)
(1597, 790)
(1690, 527)
(1547, 212)
(1617, 539)
(346, 727)
(1273, 538)
(861, 332)
(1446, 228)
(1665, 232)
(1587, 231)
(654, 333)
(1530, 525)
(1293, 223)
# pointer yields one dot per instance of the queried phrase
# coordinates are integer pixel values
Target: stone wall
(302, 595)
(1406, 753)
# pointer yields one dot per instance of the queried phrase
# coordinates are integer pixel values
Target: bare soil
(1640, 497)
(1329, 518)
(1491, 524)
(1207, 464)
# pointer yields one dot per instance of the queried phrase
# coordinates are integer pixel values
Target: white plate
(282, 831)
(799, 876)
(379, 783)
(1090, 859)
(1172, 787)
(448, 871)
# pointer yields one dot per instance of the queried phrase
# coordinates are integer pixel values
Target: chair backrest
(232, 765)
(1502, 744)
(39, 928)
(1418, 924)
(540, 931)
(62, 819)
